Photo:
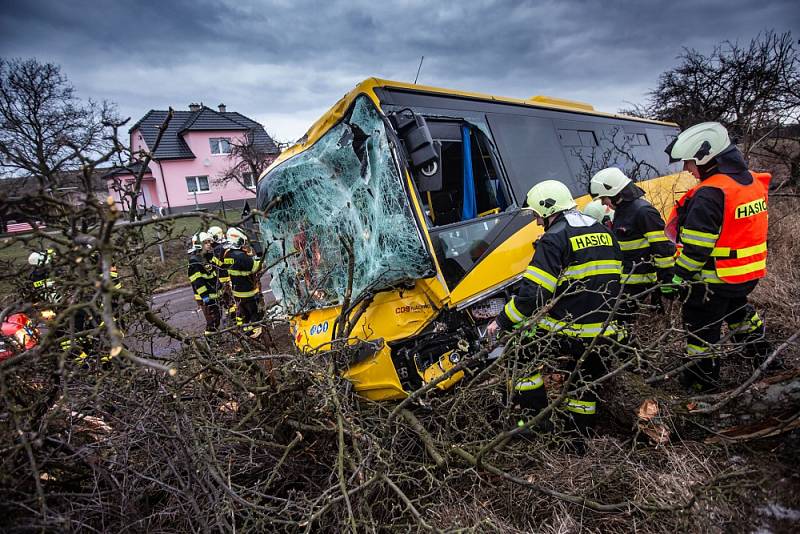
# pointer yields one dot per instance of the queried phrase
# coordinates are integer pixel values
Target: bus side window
(471, 185)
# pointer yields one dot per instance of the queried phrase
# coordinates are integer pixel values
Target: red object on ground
(17, 333)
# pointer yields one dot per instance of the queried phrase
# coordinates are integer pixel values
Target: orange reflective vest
(740, 252)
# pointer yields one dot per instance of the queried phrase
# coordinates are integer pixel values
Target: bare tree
(44, 127)
(249, 159)
(751, 89)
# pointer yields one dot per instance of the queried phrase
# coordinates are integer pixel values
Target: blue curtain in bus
(468, 206)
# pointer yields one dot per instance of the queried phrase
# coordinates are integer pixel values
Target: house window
(248, 180)
(197, 184)
(220, 145)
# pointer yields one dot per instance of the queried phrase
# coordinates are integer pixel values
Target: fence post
(156, 213)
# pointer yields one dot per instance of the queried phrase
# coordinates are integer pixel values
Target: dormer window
(220, 145)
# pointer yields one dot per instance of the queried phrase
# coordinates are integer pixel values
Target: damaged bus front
(397, 219)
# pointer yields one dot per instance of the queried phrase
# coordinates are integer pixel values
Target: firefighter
(648, 256)
(42, 282)
(721, 227)
(225, 297)
(244, 270)
(203, 277)
(577, 263)
(600, 212)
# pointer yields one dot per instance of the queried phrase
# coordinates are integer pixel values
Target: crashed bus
(400, 214)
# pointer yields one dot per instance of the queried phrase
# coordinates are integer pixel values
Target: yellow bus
(398, 220)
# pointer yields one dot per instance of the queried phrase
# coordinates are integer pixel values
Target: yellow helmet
(549, 197)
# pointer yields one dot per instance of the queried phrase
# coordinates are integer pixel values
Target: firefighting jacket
(721, 225)
(217, 259)
(203, 276)
(41, 279)
(244, 270)
(579, 263)
(647, 254)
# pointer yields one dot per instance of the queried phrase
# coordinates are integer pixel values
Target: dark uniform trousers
(704, 312)
(530, 393)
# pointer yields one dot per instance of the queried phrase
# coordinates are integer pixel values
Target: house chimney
(194, 107)
(222, 108)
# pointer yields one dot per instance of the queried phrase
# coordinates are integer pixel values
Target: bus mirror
(429, 176)
(416, 136)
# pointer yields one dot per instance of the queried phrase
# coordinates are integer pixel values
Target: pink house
(194, 153)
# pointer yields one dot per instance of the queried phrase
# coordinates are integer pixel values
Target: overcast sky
(284, 63)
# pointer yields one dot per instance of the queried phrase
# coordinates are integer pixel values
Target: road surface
(178, 308)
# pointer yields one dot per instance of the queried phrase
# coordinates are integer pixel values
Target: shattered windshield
(343, 198)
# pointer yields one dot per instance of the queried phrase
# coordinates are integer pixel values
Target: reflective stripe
(748, 325)
(751, 251)
(664, 262)
(656, 236)
(224, 279)
(201, 290)
(541, 277)
(232, 272)
(634, 244)
(207, 276)
(694, 350)
(759, 265)
(709, 276)
(593, 268)
(245, 294)
(643, 278)
(695, 237)
(577, 329)
(581, 407)
(727, 252)
(688, 263)
(529, 383)
(512, 312)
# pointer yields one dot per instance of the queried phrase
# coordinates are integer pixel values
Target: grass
(174, 235)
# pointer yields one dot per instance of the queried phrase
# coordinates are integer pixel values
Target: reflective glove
(679, 286)
(669, 290)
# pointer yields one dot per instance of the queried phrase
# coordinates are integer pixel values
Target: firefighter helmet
(608, 183)
(236, 237)
(217, 234)
(198, 239)
(549, 197)
(598, 211)
(701, 143)
(37, 258)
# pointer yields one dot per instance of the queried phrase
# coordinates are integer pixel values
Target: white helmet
(549, 197)
(608, 183)
(701, 143)
(217, 234)
(598, 211)
(38, 258)
(198, 239)
(236, 237)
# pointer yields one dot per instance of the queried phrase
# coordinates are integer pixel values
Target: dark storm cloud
(285, 62)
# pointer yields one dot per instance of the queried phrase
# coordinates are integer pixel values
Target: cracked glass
(343, 194)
